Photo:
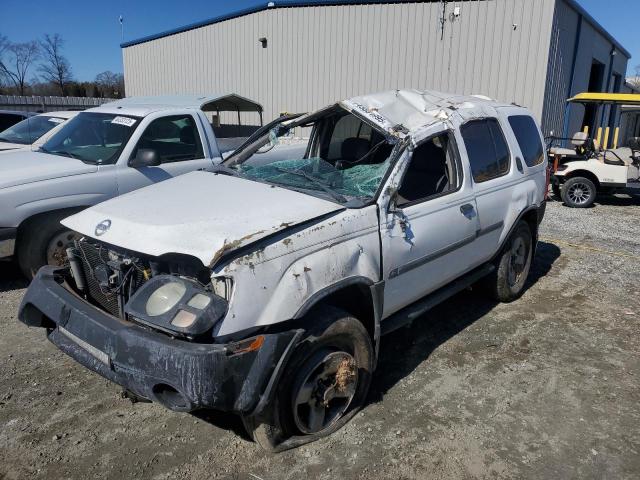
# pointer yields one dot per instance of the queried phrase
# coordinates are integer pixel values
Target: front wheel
(578, 192)
(507, 281)
(324, 383)
(44, 242)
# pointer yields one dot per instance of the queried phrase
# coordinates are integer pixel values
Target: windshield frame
(116, 154)
(229, 165)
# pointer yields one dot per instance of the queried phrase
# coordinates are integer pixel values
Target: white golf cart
(580, 173)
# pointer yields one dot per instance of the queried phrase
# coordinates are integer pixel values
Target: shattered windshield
(334, 155)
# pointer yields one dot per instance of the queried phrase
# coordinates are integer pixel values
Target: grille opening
(98, 261)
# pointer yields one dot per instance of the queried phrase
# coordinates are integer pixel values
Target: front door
(177, 141)
(428, 237)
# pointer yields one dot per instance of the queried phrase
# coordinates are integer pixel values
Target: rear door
(178, 141)
(494, 175)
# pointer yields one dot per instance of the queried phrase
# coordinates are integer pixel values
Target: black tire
(35, 248)
(578, 192)
(507, 281)
(340, 338)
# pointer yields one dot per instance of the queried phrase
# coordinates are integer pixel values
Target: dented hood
(200, 214)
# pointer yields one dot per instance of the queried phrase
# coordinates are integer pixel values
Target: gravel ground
(546, 387)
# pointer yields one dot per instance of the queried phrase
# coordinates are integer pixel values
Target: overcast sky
(92, 31)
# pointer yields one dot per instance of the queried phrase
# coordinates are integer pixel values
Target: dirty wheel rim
(57, 248)
(517, 260)
(579, 193)
(324, 390)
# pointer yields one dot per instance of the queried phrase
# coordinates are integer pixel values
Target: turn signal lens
(249, 345)
(183, 319)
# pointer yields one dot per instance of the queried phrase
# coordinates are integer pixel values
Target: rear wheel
(323, 385)
(44, 242)
(507, 281)
(578, 192)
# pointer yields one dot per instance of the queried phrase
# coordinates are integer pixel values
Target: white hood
(200, 214)
(7, 146)
(20, 167)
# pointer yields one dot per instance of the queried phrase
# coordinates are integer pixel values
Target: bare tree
(15, 61)
(110, 85)
(55, 67)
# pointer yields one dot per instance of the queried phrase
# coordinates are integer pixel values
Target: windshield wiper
(64, 153)
(337, 196)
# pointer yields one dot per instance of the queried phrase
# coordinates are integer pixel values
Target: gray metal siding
(317, 55)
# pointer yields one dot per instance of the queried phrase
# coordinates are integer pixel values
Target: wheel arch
(359, 296)
(584, 173)
(531, 215)
(40, 216)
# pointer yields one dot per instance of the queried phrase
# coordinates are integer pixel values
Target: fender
(513, 226)
(326, 291)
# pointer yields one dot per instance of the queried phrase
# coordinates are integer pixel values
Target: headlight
(176, 305)
(165, 298)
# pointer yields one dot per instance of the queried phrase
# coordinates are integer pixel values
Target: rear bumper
(181, 375)
(7, 242)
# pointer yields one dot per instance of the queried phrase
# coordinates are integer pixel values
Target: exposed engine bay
(147, 290)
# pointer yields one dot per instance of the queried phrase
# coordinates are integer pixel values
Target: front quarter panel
(23, 201)
(272, 284)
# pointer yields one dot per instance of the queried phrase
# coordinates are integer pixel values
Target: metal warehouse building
(297, 56)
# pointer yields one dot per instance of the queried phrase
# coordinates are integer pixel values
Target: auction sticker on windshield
(56, 120)
(126, 121)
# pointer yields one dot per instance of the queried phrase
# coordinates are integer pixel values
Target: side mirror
(145, 157)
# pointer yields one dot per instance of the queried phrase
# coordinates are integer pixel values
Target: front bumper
(181, 375)
(7, 242)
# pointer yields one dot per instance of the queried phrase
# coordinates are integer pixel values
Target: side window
(528, 138)
(487, 149)
(174, 138)
(347, 128)
(432, 171)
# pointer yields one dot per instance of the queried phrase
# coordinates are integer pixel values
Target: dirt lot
(546, 387)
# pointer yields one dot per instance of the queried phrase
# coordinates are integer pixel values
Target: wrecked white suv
(263, 288)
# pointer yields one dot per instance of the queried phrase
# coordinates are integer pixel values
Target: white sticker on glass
(56, 120)
(126, 121)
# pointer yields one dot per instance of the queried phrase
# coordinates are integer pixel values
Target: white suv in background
(262, 288)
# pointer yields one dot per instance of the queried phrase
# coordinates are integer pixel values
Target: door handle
(467, 210)
(519, 165)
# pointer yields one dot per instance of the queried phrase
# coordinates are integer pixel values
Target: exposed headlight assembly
(176, 305)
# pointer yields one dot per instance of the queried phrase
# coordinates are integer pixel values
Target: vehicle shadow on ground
(403, 350)
(620, 200)
(11, 278)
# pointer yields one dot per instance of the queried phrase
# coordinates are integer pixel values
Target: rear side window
(487, 149)
(528, 138)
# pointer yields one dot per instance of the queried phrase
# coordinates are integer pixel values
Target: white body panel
(605, 173)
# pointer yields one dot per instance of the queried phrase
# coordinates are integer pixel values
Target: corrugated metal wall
(317, 55)
(592, 46)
